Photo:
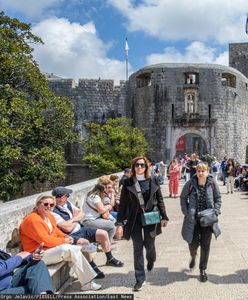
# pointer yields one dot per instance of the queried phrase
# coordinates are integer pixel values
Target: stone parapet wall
(12, 213)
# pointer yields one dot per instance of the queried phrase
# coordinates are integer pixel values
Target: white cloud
(75, 51)
(222, 21)
(196, 52)
(31, 8)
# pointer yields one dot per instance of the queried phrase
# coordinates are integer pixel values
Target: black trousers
(141, 238)
(202, 237)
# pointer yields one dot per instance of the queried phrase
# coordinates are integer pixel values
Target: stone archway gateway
(191, 143)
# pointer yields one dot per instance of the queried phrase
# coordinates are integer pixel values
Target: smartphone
(38, 250)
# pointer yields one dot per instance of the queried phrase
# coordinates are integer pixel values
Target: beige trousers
(230, 183)
(72, 254)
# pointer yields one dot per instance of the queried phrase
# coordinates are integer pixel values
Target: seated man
(244, 180)
(67, 217)
(24, 274)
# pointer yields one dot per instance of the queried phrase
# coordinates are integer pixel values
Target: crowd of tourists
(132, 207)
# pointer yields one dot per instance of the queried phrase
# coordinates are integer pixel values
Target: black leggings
(202, 237)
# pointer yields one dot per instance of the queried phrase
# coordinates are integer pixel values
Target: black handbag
(147, 218)
(207, 217)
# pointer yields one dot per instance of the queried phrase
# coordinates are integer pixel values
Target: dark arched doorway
(191, 143)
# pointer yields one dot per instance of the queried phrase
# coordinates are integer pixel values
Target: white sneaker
(90, 248)
(91, 286)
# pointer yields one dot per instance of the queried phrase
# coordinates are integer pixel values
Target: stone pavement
(171, 279)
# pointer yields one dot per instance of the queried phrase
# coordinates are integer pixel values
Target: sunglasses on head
(142, 165)
(47, 204)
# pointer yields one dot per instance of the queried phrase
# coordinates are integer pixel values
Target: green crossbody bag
(147, 218)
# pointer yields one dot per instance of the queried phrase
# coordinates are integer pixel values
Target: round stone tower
(190, 108)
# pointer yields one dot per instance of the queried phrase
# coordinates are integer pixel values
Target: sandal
(114, 263)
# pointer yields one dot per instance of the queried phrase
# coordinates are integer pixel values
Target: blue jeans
(114, 214)
(30, 279)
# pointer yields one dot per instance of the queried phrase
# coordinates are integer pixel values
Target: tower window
(143, 80)
(191, 78)
(228, 79)
(172, 111)
(209, 111)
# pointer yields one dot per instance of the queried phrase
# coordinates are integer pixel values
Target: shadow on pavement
(240, 276)
(162, 277)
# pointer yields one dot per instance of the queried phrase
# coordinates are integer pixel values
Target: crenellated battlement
(65, 83)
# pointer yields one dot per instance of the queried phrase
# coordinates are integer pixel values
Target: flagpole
(126, 68)
(126, 56)
(246, 24)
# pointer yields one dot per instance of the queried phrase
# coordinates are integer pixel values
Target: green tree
(111, 146)
(34, 123)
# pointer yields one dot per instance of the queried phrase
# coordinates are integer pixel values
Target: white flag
(126, 48)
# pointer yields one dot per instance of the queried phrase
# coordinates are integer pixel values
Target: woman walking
(174, 178)
(200, 193)
(230, 172)
(130, 211)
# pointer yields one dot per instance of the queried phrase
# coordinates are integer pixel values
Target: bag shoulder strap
(191, 188)
(140, 196)
(91, 206)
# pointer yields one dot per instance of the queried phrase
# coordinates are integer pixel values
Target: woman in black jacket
(130, 213)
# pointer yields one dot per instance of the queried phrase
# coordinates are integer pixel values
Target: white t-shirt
(59, 219)
(90, 213)
(106, 200)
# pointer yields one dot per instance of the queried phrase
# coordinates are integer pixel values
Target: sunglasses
(142, 165)
(46, 204)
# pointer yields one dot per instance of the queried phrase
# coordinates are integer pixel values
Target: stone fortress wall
(94, 101)
(170, 100)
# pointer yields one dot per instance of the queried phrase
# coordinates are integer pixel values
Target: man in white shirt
(68, 216)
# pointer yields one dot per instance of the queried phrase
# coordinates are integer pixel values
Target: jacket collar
(132, 188)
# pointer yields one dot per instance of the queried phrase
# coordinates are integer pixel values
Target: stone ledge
(60, 275)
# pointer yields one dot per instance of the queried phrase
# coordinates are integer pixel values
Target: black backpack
(214, 169)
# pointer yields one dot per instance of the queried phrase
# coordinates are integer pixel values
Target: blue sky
(85, 38)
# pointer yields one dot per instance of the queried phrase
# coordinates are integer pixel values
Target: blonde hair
(105, 180)
(114, 177)
(202, 166)
(193, 156)
(42, 197)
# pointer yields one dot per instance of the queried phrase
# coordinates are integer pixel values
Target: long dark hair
(98, 189)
